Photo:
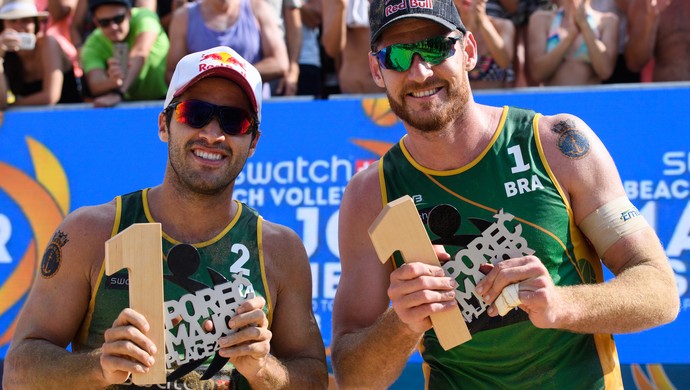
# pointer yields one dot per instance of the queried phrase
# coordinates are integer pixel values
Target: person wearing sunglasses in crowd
(521, 207)
(210, 122)
(124, 58)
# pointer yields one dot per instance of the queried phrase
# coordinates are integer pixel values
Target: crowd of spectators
(108, 51)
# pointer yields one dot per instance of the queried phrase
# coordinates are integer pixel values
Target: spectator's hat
(219, 61)
(93, 4)
(18, 9)
(383, 13)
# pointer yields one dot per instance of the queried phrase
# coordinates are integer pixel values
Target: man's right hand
(418, 290)
(115, 72)
(126, 348)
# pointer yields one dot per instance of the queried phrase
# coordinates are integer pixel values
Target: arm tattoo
(52, 258)
(571, 141)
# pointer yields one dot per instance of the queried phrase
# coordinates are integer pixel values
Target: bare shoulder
(45, 41)
(539, 22)
(285, 259)
(365, 186)
(261, 9)
(69, 266)
(92, 221)
(567, 133)
(180, 13)
(85, 231)
(361, 204)
(541, 16)
(580, 162)
(608, 19)
(503, 24)
(280, 240)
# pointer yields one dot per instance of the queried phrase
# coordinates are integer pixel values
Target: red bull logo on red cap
(212, 60)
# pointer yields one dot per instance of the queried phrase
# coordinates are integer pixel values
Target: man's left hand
(539, 297)
(249, 346)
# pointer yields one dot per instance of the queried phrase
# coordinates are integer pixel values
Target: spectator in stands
(621, 73)
(60, 17)
(572, 45)
(165, 10)
(247, 26)
(82, 23)
(520, 12)
(138, 75)
(290, 23)
(495, 41)
(310, 80)
(33, 67)
(659, 30)
(345, 38)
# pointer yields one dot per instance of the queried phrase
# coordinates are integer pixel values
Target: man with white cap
(525, 209)
(211, 122)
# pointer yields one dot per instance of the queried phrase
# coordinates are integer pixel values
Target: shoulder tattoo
(52, 258)
(572, 142)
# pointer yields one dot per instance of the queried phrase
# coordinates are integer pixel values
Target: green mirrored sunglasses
(399, 56)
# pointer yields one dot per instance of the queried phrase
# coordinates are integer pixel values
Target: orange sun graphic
(44, 202)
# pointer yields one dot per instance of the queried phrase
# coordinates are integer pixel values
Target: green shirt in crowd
(150, 82)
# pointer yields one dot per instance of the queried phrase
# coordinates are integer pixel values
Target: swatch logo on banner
(44, 203)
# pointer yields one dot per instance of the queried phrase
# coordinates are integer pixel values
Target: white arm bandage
(611, 222)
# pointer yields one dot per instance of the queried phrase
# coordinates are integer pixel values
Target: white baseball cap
(219, 61)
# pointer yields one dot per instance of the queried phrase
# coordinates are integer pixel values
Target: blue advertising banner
(53, 161)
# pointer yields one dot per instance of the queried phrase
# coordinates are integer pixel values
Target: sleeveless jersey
(504, 204)
(235, 253)
(244, 36)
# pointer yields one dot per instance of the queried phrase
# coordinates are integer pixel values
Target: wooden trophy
(139, 249)
(398, 227)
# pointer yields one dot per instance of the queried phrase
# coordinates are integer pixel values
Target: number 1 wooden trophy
(398, 227)
(138, 248)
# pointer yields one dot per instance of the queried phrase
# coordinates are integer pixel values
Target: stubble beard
(193, 182)
(432, 117)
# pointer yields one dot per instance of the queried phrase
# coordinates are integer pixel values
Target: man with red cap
(239, 290)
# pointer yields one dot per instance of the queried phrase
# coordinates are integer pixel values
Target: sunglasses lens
(197, 114)
(436, 49)
(399, 57)
(235, 121)
(106, 22)
(194, 113)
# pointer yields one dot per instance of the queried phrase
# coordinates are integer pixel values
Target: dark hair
(169, 113)
(93, 4)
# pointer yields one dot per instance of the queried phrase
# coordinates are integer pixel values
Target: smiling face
(109, 18)
(426, 97)
(207, 160)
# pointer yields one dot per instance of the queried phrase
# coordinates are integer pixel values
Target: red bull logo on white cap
(212, 60)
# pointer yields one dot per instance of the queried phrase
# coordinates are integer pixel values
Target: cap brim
(450, 26)
(226, 73)
(22, 15)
